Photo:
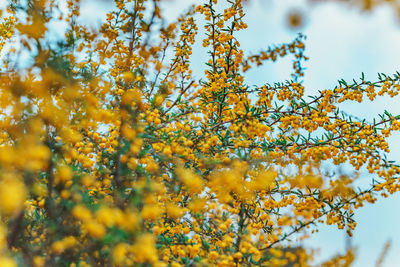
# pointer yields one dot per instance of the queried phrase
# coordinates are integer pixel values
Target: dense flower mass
(113, 153)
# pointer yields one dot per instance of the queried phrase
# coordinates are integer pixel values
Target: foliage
(114, 154)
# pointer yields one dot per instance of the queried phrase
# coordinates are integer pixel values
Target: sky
(341, 42)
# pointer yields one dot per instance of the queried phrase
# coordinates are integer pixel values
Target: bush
(114, 154)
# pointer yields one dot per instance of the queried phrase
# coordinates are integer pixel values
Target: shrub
(114, 154)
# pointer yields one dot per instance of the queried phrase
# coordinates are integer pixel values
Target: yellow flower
(81, 212)
(190, 179)
(238, 255)
(7, 262)
(128, 221)
(145, 249)
(152, 166)
(3, 236)
(197, 205)
(105, 215)
(119, 253)
(95, 229)
(174, 211)
(264, 181)
(38, 261)
(151, 212)
(58, 247)
(158, 100)
(213, 255)
(128, 76)
(39, 189)
(12, 195)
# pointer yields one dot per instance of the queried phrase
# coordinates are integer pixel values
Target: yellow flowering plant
(112, 152)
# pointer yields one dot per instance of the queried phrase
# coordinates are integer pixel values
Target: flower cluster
(112, 152)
